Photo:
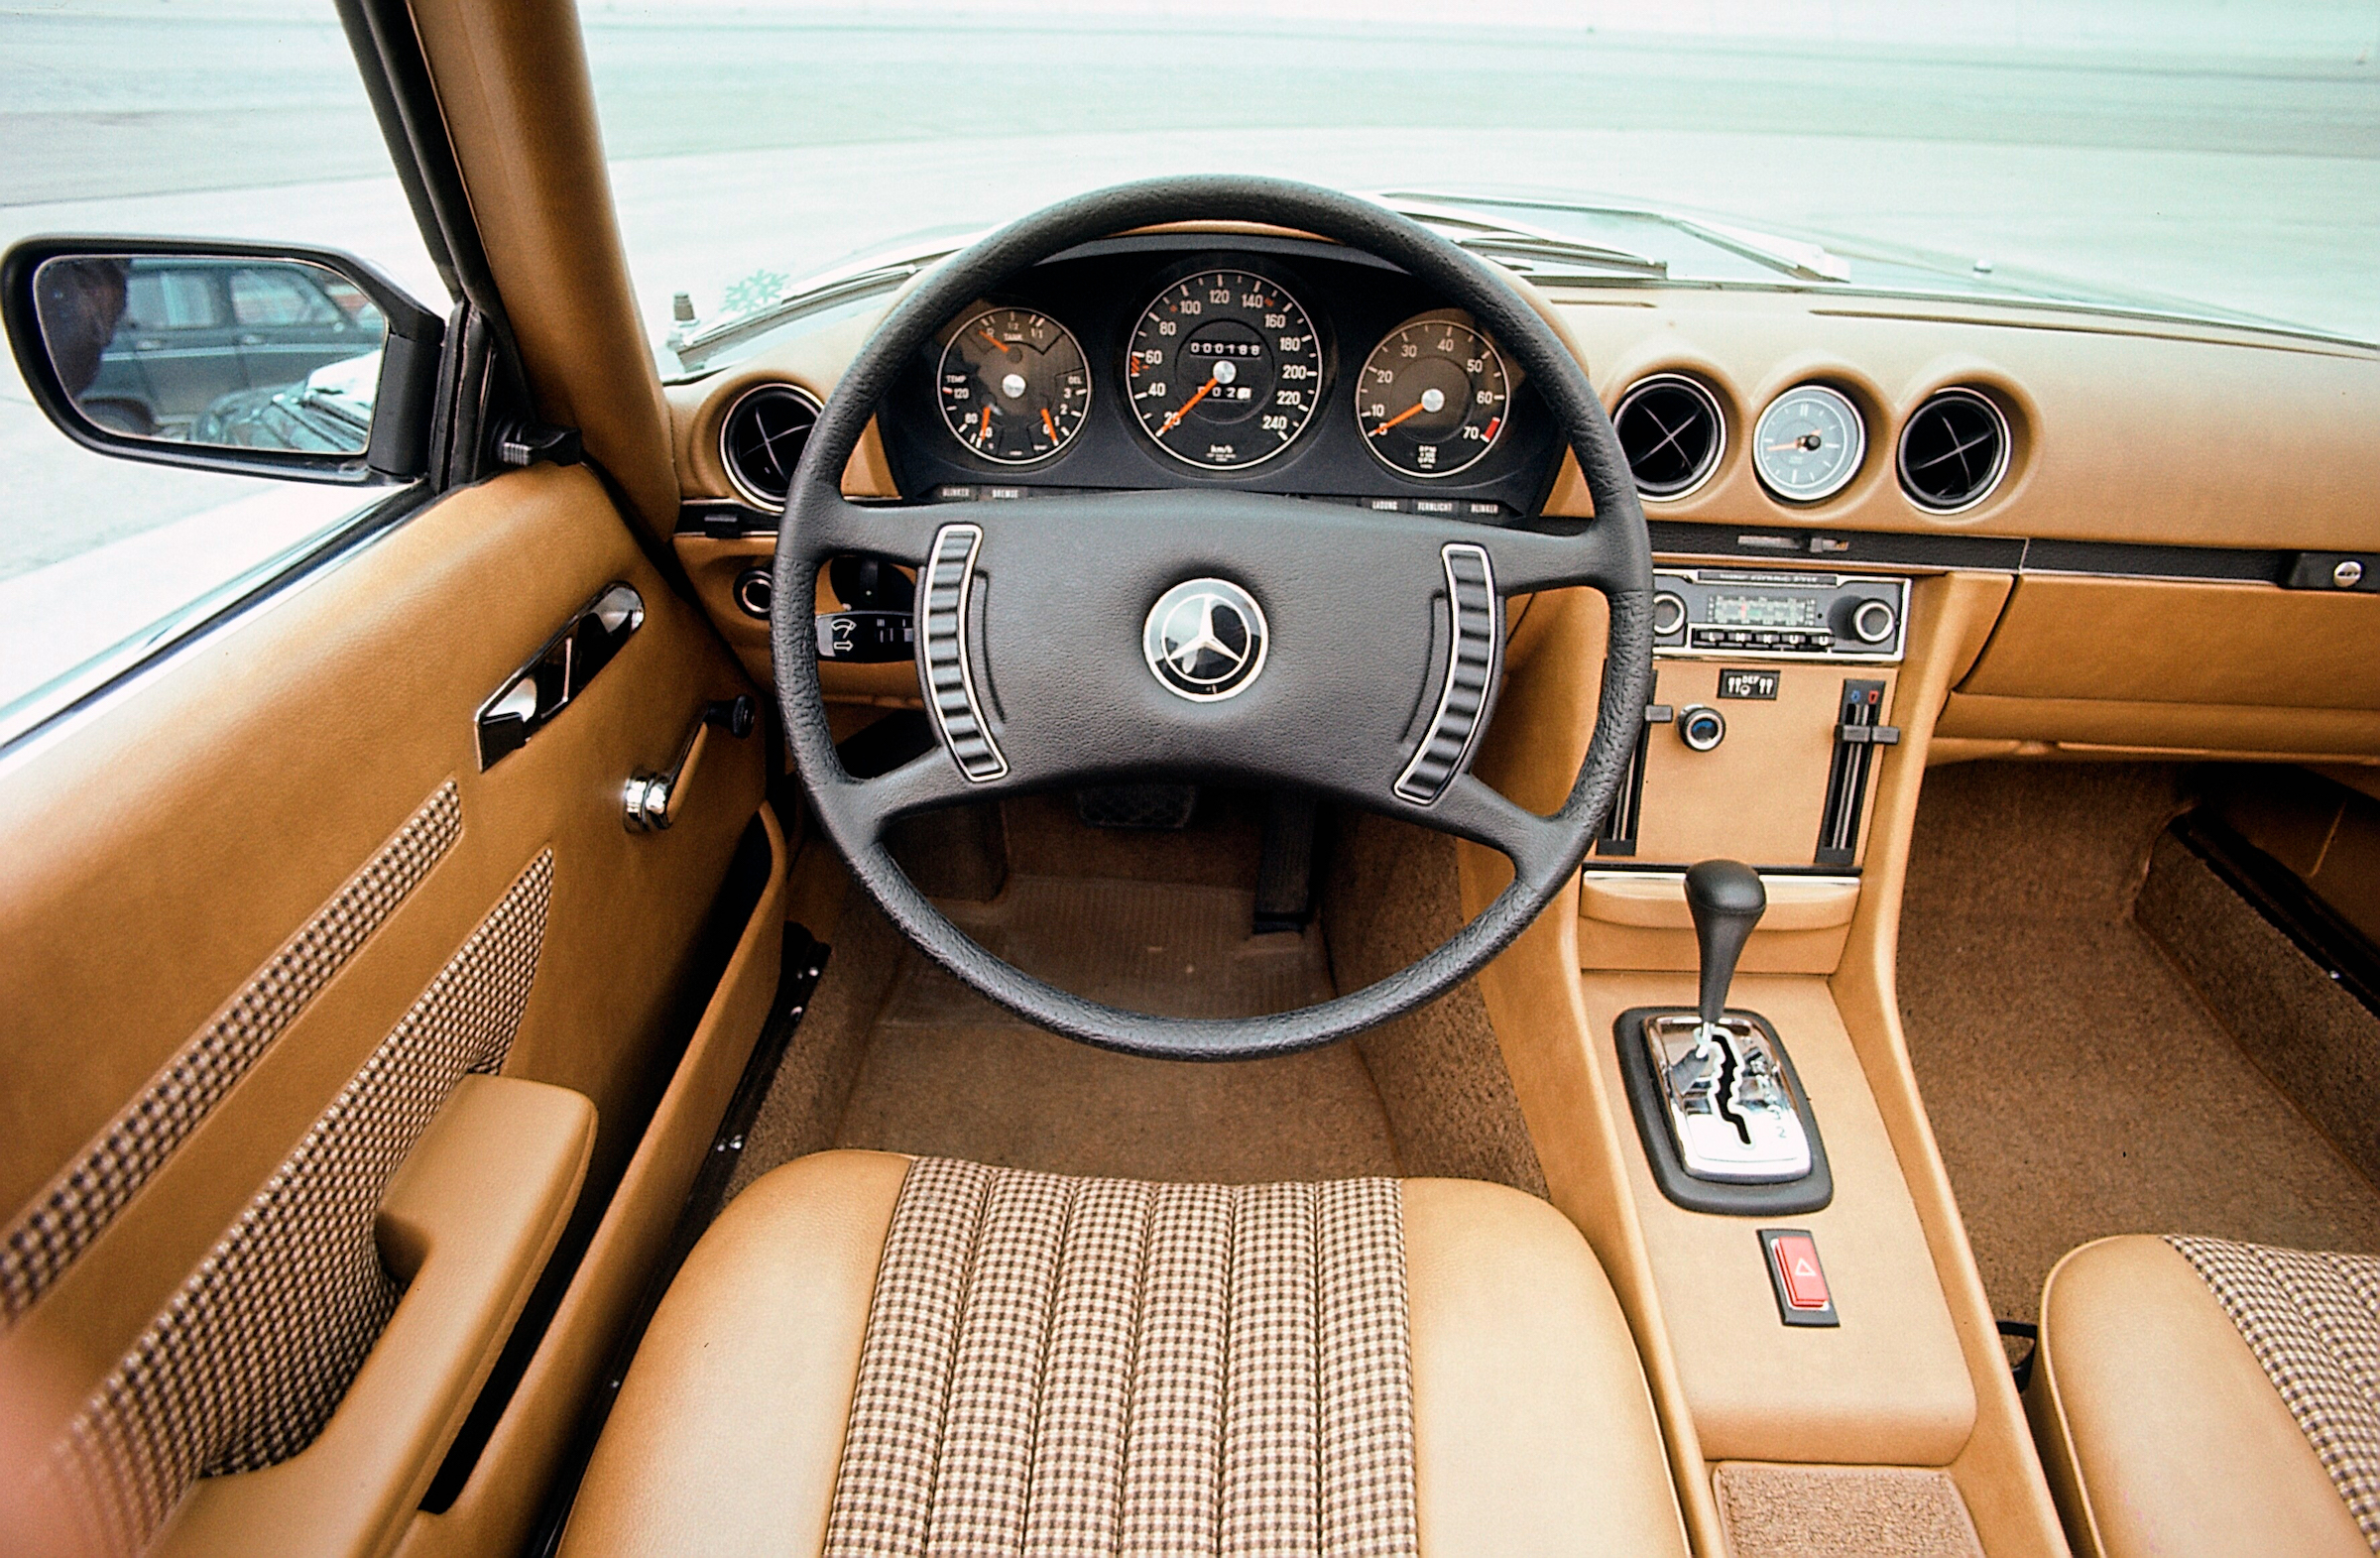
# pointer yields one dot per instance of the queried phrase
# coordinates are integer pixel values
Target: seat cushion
(866, 1353)
(2163, 1431)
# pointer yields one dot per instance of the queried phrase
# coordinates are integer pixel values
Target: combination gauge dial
(1014, 386)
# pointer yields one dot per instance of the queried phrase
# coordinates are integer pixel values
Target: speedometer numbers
(1432, 398)
(1224, 369)
(1014, 386)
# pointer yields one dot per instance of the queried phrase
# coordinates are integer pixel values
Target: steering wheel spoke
(930, 780)
(1472, 808)
(902, 532)
(1594, 554)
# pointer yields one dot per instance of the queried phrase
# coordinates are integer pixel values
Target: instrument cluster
(1277, 364)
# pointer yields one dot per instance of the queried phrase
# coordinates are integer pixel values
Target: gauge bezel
(1852, 467)
(1719, 417)
(950, 344)
(2001, 465)
(1470, 326)
(1235, 265)
(727, 461)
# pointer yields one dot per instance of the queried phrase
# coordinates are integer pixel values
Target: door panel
(223, 892)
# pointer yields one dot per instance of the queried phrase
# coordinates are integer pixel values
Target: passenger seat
(2197, 1396)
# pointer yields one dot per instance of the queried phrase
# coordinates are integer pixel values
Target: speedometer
(1224, 369)
(1432, 397)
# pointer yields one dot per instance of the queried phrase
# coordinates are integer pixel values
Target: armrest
(466, 1224)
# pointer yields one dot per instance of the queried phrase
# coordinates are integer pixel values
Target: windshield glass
(2197, 157)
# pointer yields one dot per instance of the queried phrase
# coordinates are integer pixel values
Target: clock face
(1808, 443)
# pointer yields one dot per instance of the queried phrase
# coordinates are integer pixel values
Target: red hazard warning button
(1798, 1270)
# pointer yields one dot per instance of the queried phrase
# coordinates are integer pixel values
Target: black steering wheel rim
(816, 513)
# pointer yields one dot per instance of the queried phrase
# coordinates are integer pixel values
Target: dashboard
(1268, 365)
(2175, 519)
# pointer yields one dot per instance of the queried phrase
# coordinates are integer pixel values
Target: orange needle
(1047, 425)
(1186, 404)
(998, 344)
(1393, 421)
(987, 432)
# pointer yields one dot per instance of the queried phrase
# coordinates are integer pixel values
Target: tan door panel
(225, 890)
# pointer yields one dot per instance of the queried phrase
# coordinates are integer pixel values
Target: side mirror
(268, 359)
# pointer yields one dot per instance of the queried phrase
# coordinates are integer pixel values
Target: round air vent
(1954, 451)
(761, 439)
(1673, 432)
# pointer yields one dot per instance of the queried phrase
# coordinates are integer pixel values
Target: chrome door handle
(649, 800)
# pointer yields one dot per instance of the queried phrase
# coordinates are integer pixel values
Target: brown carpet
(1843, 1512)
(2078, 1084)
(897, 1055)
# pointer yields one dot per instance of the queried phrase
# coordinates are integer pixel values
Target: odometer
(1432, 397)
(1224, 369)
(1014, 386)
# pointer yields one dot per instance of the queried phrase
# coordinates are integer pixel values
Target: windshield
(2199, 157)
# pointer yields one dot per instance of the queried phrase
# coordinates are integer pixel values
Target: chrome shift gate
(1723, 1086)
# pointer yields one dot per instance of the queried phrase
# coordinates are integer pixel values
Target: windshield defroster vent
(1954, 451)
(1673, 432)
(761, 439)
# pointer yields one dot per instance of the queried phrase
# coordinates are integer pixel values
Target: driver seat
(873, 1353)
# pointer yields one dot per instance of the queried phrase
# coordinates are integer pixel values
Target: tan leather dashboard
(2168, 484)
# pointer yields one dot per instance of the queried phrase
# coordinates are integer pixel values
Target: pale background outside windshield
(2225, 153)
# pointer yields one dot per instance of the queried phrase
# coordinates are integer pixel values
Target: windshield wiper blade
(1794, 257)
(1532, 252)
(871, 274)
(1810, 261)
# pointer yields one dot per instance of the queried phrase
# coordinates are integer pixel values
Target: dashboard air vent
(1954, 451)
(1673, 432)
(761, 439)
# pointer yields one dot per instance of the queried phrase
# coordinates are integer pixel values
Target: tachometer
(1224, 369)
(1014, 386)
(1432, 398)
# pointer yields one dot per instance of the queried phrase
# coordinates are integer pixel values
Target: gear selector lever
(1723, 1120)
(1726, 900)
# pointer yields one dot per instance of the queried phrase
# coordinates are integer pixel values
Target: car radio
(1740, 614)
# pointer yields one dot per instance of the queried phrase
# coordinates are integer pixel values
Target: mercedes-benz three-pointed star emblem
(1205, 640)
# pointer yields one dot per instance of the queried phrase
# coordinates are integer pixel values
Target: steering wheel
(1212, 634)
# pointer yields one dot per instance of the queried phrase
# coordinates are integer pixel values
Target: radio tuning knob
(1869, 621)
(1669, 614)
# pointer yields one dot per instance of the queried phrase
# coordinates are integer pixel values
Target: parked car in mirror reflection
(196, 331)
(328, 412)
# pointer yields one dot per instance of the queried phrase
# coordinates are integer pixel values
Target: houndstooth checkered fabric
(1069, 1366)
(2313, 1322)
(72, 1209)
(248, 1360)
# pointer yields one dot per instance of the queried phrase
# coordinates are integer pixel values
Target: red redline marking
(1494, 423)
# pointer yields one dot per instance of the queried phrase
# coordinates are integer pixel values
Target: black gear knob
(1726, 900)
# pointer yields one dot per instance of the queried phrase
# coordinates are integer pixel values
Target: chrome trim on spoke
(1472, 657)
(944, 666)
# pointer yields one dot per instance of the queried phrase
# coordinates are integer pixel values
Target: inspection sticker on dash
(1748, 683)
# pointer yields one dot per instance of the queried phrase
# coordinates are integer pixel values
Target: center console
(1728, 1110)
